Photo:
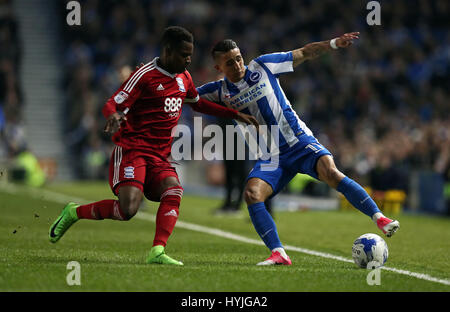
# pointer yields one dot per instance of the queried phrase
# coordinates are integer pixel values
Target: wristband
(333, 43)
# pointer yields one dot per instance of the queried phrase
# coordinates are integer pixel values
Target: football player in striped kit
(255, 90)
(142, 114)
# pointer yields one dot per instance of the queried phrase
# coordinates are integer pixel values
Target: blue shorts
(301, 158)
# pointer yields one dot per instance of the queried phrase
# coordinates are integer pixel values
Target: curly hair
(174, 35)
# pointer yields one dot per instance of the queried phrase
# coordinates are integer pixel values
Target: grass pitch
(112, 253)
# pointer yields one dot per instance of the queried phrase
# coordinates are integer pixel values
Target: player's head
(177, 48)
(228, 59)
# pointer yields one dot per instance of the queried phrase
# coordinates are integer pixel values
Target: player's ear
(217, 67)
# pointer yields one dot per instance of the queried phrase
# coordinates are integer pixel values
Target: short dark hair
(223, 47)
(173, 35)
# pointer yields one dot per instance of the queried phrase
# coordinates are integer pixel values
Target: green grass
(112, 253)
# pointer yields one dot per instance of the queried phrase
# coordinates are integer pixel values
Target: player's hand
(248, 119)
(113, 122)
(346, 40)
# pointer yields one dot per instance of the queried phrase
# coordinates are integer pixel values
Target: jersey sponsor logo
(129, 172)
(180, 84)
(255, 76)
(121, 97)
(250, 95)
(172, 105)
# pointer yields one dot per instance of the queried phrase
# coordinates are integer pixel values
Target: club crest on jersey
(120, 97)
(255, 76)
(129, 172)
(180, 84)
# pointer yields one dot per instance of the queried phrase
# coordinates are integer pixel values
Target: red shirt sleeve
(204, 106)
(210, 108)
(126, 95)
(191, 93)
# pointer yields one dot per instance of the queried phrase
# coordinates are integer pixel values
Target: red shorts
(137, 168)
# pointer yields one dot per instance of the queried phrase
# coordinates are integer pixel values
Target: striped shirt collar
(155, 61)
(241, 82)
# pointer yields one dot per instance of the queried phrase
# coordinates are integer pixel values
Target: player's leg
(127, 176)
(164, 187)
(354, 193)
(127, 172)
(123, 209)
(256, 192)
(130, 198)
(240, 172)
(228, 164)
(269, 207)
(171, 193)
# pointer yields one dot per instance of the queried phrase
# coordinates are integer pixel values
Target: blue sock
(357, 196)
(264, 225)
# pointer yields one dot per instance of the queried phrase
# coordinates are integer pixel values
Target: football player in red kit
(142, 114)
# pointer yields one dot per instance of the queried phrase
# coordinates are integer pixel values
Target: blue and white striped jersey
(259, 94)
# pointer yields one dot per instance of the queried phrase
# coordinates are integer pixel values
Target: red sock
(104, 209)
(167, 214)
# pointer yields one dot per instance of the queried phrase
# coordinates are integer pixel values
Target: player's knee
(331, 176)
(253, 195)
(130, 211)
(130, 206)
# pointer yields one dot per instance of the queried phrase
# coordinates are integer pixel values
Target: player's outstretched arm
(248, 119)
(210, 108)
(316, 49)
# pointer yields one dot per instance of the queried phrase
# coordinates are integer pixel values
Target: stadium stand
(381, 107)
(11, 131)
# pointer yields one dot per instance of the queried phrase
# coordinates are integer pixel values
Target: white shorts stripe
(115, 165)
(117, 161)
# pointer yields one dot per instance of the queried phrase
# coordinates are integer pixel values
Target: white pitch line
(223, 234)
(63, 199)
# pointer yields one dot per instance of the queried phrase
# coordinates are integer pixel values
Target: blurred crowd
(381, 107)
(12, 137)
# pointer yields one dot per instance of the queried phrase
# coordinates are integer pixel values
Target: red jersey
(152, 99)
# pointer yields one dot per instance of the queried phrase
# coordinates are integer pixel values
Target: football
(369, 251)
